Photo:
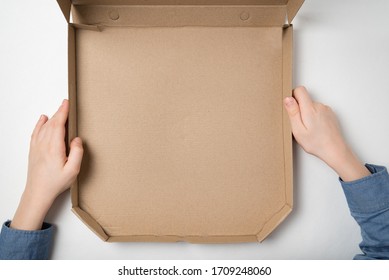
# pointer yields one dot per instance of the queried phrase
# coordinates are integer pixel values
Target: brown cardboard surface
(175, 16)
(84, 10)
(184, 129)
(181, 2)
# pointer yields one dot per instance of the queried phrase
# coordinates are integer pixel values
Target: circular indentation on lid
(244, 16)
(114, 15)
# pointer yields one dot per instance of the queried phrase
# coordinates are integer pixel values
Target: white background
(341, 56)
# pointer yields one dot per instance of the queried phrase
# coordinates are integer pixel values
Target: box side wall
(287, 91)
(146, 16)
(72, 131)
(90, 223)
(179, 2)
(72, 92)
(279, 216)
(190, 239)
(273, 223)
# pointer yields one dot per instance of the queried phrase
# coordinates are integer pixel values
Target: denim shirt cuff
(368, 194)
(25, 244)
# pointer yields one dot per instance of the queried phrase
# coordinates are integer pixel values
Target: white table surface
(341, 55)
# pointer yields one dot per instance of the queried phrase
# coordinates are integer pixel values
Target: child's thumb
(75, 156)
(293, 109)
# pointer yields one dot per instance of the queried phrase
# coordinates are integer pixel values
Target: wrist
(347, 165)
(31, 212)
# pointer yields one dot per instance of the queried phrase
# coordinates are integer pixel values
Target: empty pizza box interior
(179, 104)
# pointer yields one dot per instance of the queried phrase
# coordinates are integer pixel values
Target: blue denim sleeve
(25, 244)
(368, 200)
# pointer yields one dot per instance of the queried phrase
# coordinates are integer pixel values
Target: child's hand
(50, 171)
(316, 129)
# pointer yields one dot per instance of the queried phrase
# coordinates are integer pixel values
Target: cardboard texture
(179, 104)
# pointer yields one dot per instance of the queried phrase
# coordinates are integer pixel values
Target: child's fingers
(304, 100)
(61, 115)
(56, 129)
(42, 120)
